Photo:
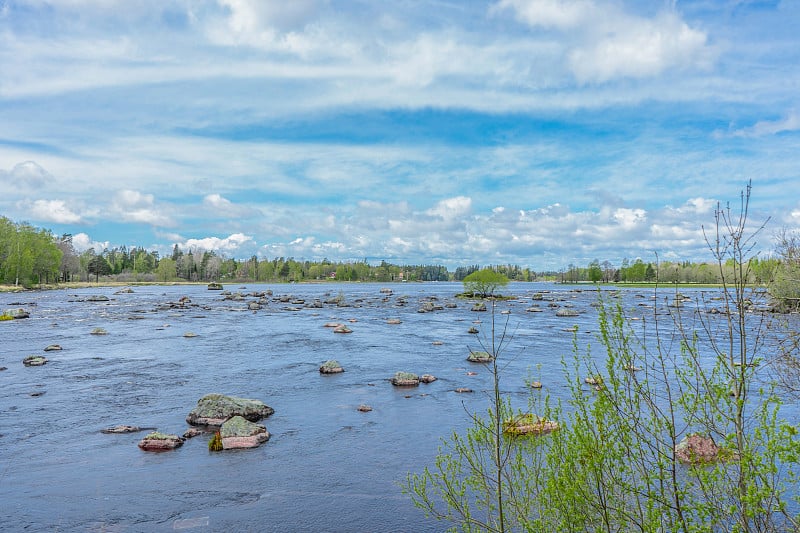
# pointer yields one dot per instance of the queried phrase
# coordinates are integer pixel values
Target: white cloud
(231, 244)
(771, 127)
(27, 174)
(641, 48)
(558, 14)
(451, 208)
(217, 205)
(55, 211)
(133, 206)
(630, 218)
(82, 242)
(605, 42)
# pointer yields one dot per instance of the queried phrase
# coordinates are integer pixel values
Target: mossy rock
(99, 331)
(529, 424)
(214, 409)
(159, 442)
(237, 432)
(34, 360)
(478, 306)
(405, 379)
(16, 313)
(215, 286)
(480, 357)
(331, 366)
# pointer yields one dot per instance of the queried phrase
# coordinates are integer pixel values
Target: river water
(327, 466)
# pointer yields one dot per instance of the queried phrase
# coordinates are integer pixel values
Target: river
(327, 466)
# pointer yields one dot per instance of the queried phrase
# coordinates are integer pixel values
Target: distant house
(332, 275)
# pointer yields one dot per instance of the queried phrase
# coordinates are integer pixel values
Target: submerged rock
(192, 433)
(240, 433)
(123, 429)
(99, 331)
(160, 442)
(364, 408)
(97, 298)
(214, 409)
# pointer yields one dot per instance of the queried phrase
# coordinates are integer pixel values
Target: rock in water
(159, 442)
(214, 409)
(405, 379)
(17, 313)
(34, 360)
(331, 366)
(239, 433)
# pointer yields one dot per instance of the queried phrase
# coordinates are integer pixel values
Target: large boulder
(214, 409)
(240, 433)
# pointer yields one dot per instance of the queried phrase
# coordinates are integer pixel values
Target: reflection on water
(327, 467)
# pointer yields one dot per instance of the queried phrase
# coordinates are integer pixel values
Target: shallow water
(327, 467)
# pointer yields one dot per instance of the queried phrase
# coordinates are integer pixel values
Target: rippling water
(327, 467)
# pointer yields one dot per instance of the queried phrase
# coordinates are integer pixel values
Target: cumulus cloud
(27, 174)
(451, 208)
(82, 242)
(606, 43)
(50, 211)
(229, 245)
(133, 206)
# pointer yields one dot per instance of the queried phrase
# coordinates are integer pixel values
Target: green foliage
(613, 465)
(484, 283)
(27, 255)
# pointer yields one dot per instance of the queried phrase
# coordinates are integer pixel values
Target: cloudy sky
(534, 132)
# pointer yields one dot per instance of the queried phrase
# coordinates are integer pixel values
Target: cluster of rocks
(232, 419)
(409, 379)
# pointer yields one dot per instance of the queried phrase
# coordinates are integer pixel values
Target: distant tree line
(760, 271)
(31, 256)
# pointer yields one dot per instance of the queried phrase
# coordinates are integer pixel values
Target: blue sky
(533, 132)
